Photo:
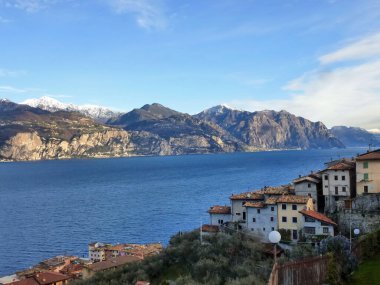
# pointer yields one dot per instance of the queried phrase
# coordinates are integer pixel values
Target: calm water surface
(57, 207)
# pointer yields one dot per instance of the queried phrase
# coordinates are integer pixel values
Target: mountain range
(48, 129)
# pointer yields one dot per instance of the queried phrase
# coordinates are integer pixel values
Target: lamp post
(275, 237)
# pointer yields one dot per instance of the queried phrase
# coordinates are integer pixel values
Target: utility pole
(200, 232)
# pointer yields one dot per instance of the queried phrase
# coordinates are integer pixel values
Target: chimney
(299, 176)
(311, 172)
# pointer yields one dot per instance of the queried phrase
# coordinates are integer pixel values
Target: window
(336, 190)
(272, 209)
(272, 228)
(284, 206)
(258, 211)
(309, 230)
(343, 177)
(365, 164)
(237, 214)
(365, 176)
(294, 219)
(365, 188)
(252, 229)
(254, 220)
(243, 215)
(336, 198)
(264, 229)
(344, 189)
(308, 185)
(325, 230)
(326, 177)
(284, 219)
(309, 220)
(271, 219)
(336, 177)
(294, 207)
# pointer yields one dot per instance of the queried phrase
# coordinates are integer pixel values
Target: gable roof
(44, 278)
(252, 195)
(220, 210)
(295, 199)
(254, 204)
(318, 216)
(276, 190)
(371, 155)
(113, 263)
(271, 201)
(307, 178)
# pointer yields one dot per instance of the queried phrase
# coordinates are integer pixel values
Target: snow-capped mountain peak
(98, 113)
(219, 109)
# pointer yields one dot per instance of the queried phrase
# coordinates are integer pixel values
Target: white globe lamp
(275, 237)
(356, 231)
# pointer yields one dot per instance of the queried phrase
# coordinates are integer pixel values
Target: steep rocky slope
(270, 129)
(28, 133)
(355, 137)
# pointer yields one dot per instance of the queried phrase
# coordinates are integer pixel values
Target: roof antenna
(369, 147)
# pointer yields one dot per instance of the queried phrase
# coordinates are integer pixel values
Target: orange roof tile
(210, 228)
(247, 196)
(50, 277)
(271, 201)
(318, 216)
(307, 178)
(277, 190)
(219, 210)
(254, 204)
(296, 199)
(372, 155)
(113, 263)
(342, 166)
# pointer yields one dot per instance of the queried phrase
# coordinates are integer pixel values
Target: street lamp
(275, 237)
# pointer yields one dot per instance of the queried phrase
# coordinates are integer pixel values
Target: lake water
(50, 208)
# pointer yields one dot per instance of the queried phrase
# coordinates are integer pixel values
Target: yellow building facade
(368, 173)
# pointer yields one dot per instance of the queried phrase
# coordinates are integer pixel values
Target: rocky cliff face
(270, 129)
(355, 137)
(32, 146)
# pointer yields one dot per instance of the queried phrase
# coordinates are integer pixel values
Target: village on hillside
(336, 200)
(343, 196)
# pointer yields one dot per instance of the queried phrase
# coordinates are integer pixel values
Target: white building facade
(261, 218)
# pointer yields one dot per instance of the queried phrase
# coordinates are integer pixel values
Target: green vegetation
(368, 273)
(221, 259)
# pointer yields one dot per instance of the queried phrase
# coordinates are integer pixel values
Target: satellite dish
(356, 231)
(274, 237)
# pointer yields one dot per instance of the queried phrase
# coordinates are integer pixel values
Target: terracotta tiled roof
(318, 216)
(118, 247)
(219, 210)
(247, 196)
(271, 201)
(342, 166)
(296, 199)
(112, 263)
(372, 155)
(28, 281)
(307, 178)
(277, 190)
(44, 278)
(254, 204)
(210, 228)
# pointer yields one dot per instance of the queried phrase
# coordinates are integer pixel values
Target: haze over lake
(50, 208)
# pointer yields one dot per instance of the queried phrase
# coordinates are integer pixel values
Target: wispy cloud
(4, 20)
(57, 96)
(11, 73)
(149, 13)
(343, 95)
(362, 49)
(12, 90)
(30, 6)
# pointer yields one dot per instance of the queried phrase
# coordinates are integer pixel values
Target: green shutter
(365, 164)
(365, 176)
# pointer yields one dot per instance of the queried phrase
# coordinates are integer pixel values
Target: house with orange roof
(289, 217)
(238, 211)
(368, 172)
(338, 182)
(315, 223)
(219, 215)
(262, 217)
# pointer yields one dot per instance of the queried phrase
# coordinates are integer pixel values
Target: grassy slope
(367, 274)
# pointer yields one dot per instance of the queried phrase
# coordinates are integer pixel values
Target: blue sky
(316, 58)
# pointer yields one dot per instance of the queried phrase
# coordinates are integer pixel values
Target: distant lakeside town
(345, 195)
